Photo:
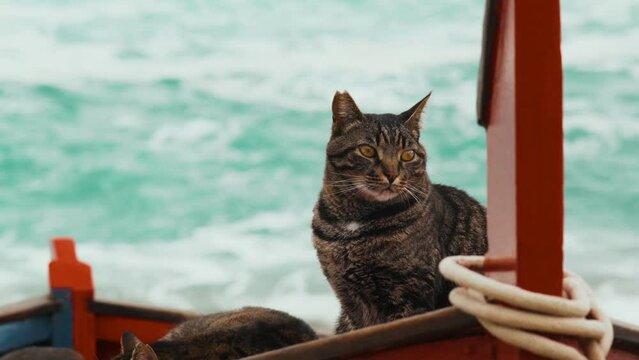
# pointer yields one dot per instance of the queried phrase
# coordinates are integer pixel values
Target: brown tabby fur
(227, 335)
(380, 227)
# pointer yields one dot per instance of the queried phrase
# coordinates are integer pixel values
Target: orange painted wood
(83, 323)
(475, 347)
(66, 272)
(110, 328)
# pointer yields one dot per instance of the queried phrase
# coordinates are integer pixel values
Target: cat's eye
(367, 151)
(408, 155)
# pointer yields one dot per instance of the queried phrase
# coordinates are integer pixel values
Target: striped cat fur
(380, 227)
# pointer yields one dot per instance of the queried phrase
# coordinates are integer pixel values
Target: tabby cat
(380, 227)
(227, 335)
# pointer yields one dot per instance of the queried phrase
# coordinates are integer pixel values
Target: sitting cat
(380, 227)
(227, 335)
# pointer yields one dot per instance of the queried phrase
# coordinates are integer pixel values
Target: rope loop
(528, 313)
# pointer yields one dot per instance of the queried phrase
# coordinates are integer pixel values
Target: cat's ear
(143, 352)
(412, 118)
(345, 112)
(128, 342)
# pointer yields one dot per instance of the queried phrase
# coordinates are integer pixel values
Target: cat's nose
(391, 178)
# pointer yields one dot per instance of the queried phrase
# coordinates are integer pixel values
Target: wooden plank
(66, 272)
(525, 147)
(62, 320)
(539, 146)
(433, 326)
(28, 309)
(466, 348)
(107, 349)
(43, 353)
(147, 323)
(101, 307)
(488, 60)
(21, 333)
(109, 328)
(500, 144)
(615, 354)
(626, 337)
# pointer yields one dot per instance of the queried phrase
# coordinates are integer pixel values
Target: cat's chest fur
(366, 255)
(372, 262)
(385, 268)
(406, 227)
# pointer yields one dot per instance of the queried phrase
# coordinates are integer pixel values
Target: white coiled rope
(529, 312)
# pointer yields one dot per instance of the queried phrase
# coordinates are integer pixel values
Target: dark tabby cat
(380, 226)
(227, 335)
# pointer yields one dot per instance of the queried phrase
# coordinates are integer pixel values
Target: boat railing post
(71, 283)
(521, 106)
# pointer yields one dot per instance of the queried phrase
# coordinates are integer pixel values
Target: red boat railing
(70, 316)
(93, 327)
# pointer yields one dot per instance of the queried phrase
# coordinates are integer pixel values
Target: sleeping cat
(380, 227)
(227, 335)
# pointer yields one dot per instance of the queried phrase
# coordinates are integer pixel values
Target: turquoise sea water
(182, 143)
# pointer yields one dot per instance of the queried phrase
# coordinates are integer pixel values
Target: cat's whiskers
(342, 174)
(346, 188)
(347, 182)
(423, 194)
(347, 191)
(411, 194)
(403, 195)
(413, 191)
(419, 190)
(344, 181)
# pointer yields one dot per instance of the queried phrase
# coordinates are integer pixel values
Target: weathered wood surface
(121, 309)
(27, 309)
(442, 324)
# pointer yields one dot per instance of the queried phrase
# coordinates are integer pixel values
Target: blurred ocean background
(181, 143)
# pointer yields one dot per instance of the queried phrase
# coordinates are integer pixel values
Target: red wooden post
(66, 273)
(540, 179)
(525, 153)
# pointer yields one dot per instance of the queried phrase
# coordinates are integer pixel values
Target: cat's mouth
(381, 194)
